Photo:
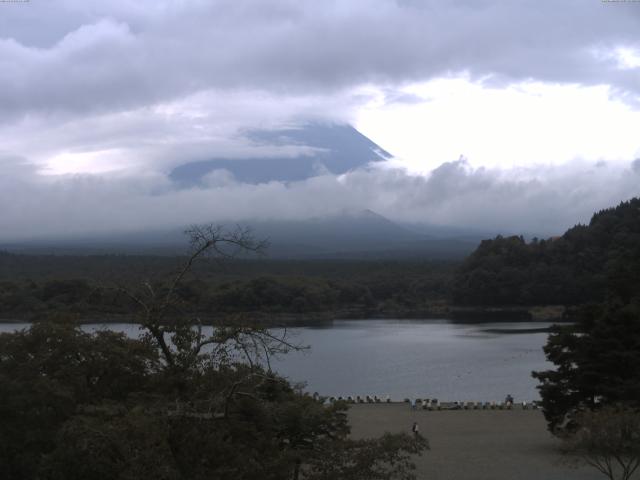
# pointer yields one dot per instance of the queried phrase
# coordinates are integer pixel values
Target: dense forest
(573, 269)
(90, 286)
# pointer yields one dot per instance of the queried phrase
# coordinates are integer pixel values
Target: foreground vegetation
(608, 440)
(78, 406)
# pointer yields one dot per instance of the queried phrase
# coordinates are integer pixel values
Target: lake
(409, 358)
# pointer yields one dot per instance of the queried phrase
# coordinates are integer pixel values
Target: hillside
(585, 264)
(349, 235)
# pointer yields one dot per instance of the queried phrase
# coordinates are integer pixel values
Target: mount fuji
(333, 148)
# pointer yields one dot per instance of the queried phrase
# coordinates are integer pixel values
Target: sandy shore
(474, 444)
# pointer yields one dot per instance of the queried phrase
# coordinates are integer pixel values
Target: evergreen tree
(597, 363)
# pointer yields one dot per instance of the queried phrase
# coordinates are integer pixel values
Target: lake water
(409, 358)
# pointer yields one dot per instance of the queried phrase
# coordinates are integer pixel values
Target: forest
(575, 268)
(32, 287)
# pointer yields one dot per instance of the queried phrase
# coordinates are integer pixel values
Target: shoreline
(464, 315)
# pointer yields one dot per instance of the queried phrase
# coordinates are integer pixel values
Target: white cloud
(524, 124)
(200, 126)
(623, 57)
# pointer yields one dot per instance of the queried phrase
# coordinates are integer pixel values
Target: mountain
(331, 147)
(363, 234)
(337, 148)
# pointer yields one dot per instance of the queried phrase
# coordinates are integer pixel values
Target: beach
(475, 444)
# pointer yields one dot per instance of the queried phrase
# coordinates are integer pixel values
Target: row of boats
(435, 404)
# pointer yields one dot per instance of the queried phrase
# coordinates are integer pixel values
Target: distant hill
(334, 148)
(585, 264)
(354, 235)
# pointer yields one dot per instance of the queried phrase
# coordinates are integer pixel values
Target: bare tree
(609, 440)
(180, 336)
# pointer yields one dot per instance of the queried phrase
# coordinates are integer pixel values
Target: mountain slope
(333, 148)
(362, 234)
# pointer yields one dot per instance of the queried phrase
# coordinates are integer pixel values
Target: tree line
(87, 288)
(578, 267)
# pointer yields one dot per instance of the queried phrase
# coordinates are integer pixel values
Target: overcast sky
(100, 99)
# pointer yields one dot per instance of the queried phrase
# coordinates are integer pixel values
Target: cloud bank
(540, 201)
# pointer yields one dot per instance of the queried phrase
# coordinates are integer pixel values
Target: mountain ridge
(360, 234)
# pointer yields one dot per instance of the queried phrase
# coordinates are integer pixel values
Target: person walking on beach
(415, 429)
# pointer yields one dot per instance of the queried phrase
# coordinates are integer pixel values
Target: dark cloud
(635, 165)
(97, 56)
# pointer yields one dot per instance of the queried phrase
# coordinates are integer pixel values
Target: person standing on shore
(415, 429)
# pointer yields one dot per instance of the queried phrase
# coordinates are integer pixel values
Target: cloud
(124, 91)
(108, 56)
(541, 201)
(159, 137)
(543, 123)
(154, 83)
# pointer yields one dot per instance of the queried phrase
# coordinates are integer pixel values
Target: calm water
(433, 359)
(409, 358)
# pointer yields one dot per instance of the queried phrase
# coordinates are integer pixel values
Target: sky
(511, 116)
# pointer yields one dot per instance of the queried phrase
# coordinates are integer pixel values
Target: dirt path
(474, 444)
